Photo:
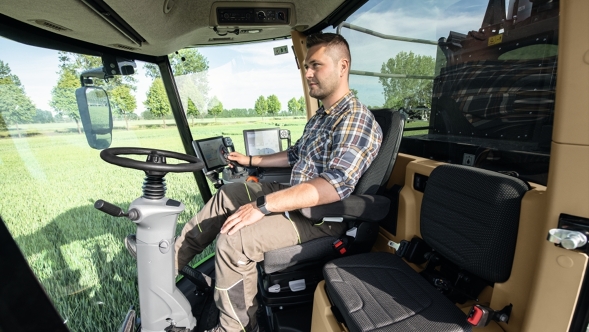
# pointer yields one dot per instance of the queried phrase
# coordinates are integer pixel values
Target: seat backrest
(377, 175)
(471, 217)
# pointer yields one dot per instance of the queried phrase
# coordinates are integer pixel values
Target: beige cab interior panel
(573, 75)
(560, 272)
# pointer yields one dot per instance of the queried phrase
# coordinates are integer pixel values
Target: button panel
(270, 16)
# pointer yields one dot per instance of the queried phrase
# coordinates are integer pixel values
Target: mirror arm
(94, 72)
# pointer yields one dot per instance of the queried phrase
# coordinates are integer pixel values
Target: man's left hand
(246, 215)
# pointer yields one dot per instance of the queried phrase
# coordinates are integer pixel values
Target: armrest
(356, 207)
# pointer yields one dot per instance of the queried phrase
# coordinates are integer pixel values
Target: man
(337, 146)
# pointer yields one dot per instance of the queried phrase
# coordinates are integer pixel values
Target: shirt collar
(337, 106)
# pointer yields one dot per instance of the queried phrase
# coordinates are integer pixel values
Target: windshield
(51, 177)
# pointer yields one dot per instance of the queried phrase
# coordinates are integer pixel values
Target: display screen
(211, 150)
(262, 141)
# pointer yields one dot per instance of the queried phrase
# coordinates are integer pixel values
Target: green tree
(123, 102)
(42, 116)
(189, 67)
(15, 106)
(63, 97)
(261, 106)
(273, 104)
(408, 92)
(302, 105)
(157, 101)
(192, 110)
(185, 61)
(293, 106)
(215, 107)
(355, 92)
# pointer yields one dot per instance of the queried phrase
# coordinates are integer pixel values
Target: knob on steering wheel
(156, 160)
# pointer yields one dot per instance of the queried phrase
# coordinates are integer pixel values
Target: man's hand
(239, 158)
(246, 215)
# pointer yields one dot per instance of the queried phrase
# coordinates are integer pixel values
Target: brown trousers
(237, 255)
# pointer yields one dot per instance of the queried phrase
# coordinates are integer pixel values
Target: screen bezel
(245, 141)
(200, 154)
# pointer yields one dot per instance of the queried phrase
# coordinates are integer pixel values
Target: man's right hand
(239, 158)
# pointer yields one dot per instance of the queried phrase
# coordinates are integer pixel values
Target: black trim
(24, 305)
(337, 16)
(182, 123)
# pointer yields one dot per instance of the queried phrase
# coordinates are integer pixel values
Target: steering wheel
(154, 163)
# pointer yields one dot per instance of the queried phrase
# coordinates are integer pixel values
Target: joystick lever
(235, 168)
(115, 211)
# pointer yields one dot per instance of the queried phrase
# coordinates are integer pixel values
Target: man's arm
(307, 194)
(279, 159)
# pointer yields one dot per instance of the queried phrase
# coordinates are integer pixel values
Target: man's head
(327, 66)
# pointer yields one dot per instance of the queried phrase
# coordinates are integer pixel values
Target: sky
(239, 74)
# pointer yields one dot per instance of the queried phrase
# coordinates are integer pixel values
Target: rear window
(477, 78)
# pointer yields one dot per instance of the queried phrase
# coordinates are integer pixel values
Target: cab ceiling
(159, 27)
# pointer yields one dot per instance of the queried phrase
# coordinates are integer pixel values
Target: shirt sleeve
(356, 141)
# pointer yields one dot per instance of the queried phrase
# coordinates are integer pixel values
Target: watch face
(261, 201)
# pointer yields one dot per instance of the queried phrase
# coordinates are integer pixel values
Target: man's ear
(344, 66)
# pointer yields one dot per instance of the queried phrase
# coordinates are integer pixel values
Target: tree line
(190, 70)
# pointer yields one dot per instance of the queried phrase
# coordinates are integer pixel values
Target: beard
(324, 88)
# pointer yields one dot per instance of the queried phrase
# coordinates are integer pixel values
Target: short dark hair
(330, 39)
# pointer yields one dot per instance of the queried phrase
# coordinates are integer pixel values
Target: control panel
(270, 16)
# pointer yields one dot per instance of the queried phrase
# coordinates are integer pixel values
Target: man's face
(322, 73)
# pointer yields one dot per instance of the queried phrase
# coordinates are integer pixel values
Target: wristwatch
(261, 204)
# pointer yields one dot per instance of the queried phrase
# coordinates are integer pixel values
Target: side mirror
(96, 116)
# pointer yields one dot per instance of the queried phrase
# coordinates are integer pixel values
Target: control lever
(115, 211)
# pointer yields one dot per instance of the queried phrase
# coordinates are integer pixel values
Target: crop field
(49, 181)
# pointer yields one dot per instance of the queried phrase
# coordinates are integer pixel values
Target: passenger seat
(470, 216)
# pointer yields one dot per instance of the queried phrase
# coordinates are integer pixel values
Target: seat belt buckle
(480, 316)
(340, 245)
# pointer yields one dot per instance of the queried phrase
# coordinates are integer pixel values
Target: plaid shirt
(338, 145)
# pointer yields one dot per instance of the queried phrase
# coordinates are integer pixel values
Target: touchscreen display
(211, 150)
(262, 141)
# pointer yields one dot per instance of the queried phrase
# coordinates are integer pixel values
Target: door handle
(566, 238)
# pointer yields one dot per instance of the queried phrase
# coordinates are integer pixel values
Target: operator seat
(470, 216)
(364, 208)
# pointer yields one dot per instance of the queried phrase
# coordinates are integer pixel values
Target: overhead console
(252, 14)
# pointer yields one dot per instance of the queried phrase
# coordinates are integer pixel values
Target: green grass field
(49, 181)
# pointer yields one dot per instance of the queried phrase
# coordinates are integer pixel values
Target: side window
(477, 79)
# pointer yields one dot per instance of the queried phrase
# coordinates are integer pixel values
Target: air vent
(124, 47)
(221, 39)
(51, 25)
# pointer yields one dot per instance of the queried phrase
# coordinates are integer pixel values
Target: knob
(281, 16)
(261, 15)
(566, 238)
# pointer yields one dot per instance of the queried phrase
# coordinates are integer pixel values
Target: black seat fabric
(375, 178)
(380, 292)
(471, 217)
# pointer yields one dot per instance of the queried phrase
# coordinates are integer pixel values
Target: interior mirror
(96, 116)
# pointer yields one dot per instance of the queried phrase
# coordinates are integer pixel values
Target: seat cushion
(380, 292)
(280, 259)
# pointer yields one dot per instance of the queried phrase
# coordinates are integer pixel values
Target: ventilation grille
(221, 39)
(124, 47)
(51, 25)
